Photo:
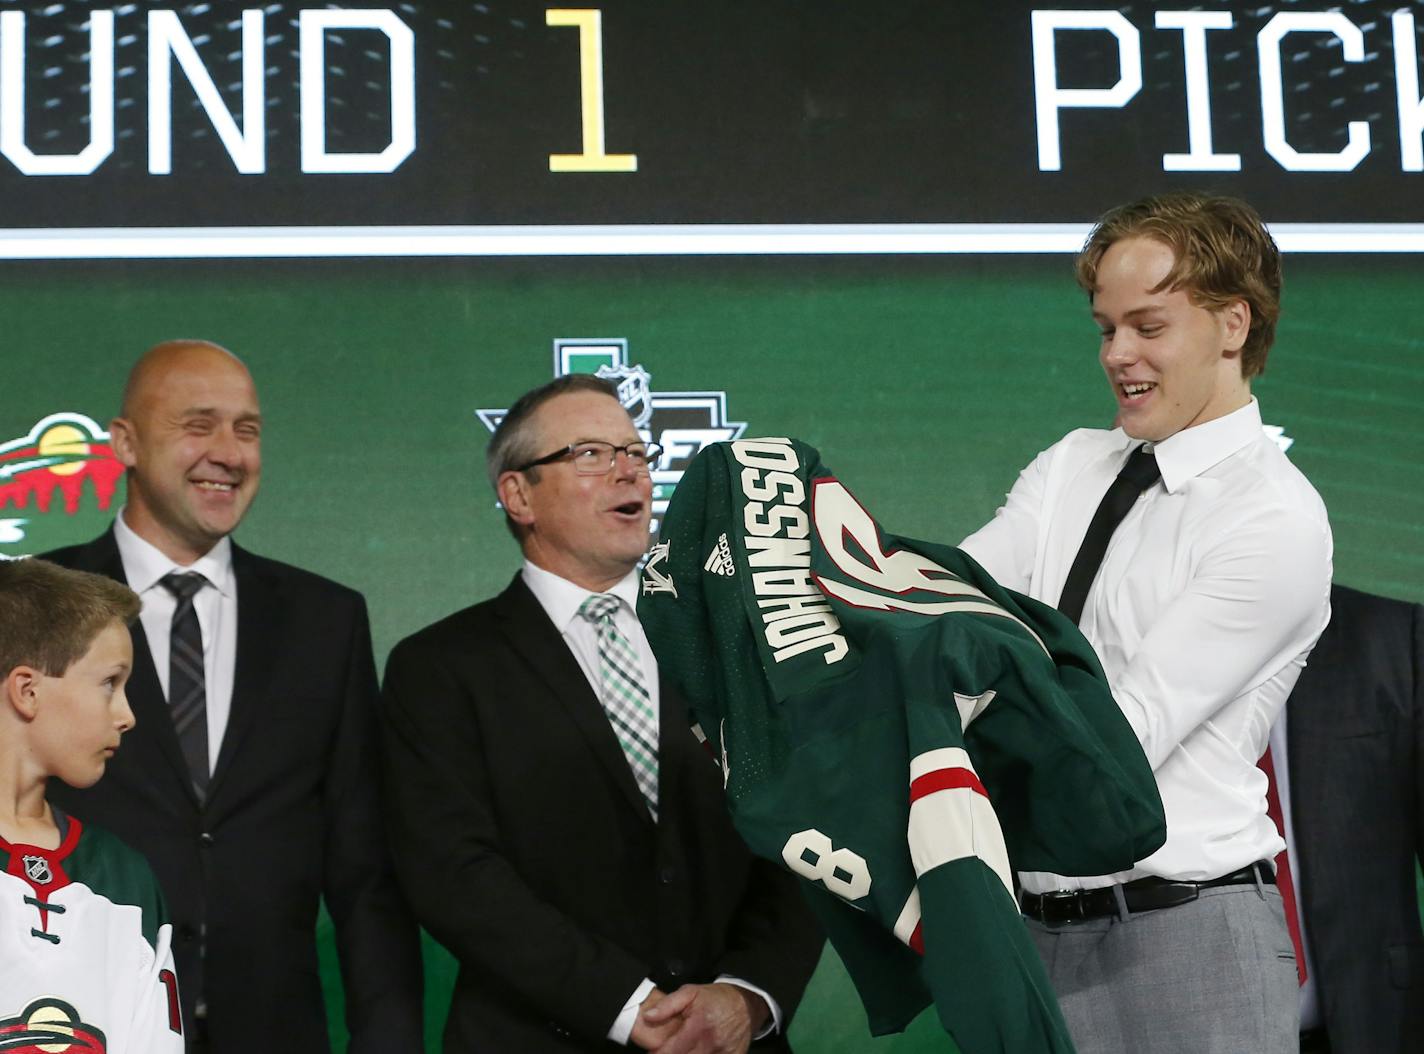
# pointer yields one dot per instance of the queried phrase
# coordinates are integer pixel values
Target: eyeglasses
(597, 459)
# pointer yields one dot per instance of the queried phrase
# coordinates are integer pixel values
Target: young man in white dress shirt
(1209, 596)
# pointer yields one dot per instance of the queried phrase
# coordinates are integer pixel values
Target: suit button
(187, 932)
(667, 875)
(206, 840)
(674, 967)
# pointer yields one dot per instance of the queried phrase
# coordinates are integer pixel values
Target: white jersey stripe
(909, 917)
(954, 822)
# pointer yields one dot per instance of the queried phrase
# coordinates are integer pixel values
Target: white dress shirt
(215, 605)
(561, 600)
(1212, 592)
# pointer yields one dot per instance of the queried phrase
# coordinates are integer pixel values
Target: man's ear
(513, 489)
(123, 441)
(1236, 325)
(21, 690)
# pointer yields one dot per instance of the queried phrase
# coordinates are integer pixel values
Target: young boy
(85, 964)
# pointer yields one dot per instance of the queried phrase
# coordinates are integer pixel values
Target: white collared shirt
(215, 605)
(561, 600)
(1212, 592)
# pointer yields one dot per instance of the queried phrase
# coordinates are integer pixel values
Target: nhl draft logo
(37, 870)
(682, 423)
(50, 1026)
(64, 452)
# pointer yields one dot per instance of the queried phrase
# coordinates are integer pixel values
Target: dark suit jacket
(526, 849)
(1355, 731)
(292, 816)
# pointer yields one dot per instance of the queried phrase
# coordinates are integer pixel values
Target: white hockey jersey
(85, 960)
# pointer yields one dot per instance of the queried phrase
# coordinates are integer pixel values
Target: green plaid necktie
(625, 696)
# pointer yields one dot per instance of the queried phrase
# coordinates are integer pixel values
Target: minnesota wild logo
(50, 1026)
(55, 481)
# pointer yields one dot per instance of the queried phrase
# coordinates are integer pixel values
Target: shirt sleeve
(623, 1024)
(773, 1023)
(157, 1023)
(1257, 602)
(1007, 546)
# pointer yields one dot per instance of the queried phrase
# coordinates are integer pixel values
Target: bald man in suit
(259, 802)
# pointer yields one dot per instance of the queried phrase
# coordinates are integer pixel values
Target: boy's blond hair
(1223, 253)
(49, 615)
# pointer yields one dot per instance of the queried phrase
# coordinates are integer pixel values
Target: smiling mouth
(629, 508)
(214, 486)
(1135, 389)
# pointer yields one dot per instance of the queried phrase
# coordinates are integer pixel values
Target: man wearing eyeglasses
(555, 822)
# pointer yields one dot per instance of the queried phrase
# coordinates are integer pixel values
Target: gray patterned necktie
(187, 685)
(625, 696)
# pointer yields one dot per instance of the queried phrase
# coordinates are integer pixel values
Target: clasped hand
(699, 1019)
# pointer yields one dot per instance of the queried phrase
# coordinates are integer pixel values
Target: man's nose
(1118, 349)
(624, 466)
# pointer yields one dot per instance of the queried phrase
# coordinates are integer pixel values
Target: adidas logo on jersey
(720, 561)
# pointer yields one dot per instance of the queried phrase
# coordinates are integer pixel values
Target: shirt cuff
(622, 1027)
(773, 1023)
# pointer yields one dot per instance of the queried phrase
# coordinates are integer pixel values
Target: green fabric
(114, 871)
(818, 715)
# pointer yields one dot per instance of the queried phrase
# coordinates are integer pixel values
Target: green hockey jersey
(898, 730)
(85, 959)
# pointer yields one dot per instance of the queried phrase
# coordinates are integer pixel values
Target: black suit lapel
(258, 633)
(535, 639)
(145, 692)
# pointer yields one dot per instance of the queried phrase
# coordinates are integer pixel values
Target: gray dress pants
(1213, 976)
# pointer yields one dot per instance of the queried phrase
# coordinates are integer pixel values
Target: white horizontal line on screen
(811, 239)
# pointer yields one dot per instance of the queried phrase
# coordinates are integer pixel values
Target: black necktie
(187, 688)
(1137, 475)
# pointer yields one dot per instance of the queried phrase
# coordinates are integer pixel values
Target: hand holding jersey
(982, 729)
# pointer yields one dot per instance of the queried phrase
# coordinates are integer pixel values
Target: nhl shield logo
(635, 390)
(37, 870)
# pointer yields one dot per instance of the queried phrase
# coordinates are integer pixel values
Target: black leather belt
(1142, 894)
